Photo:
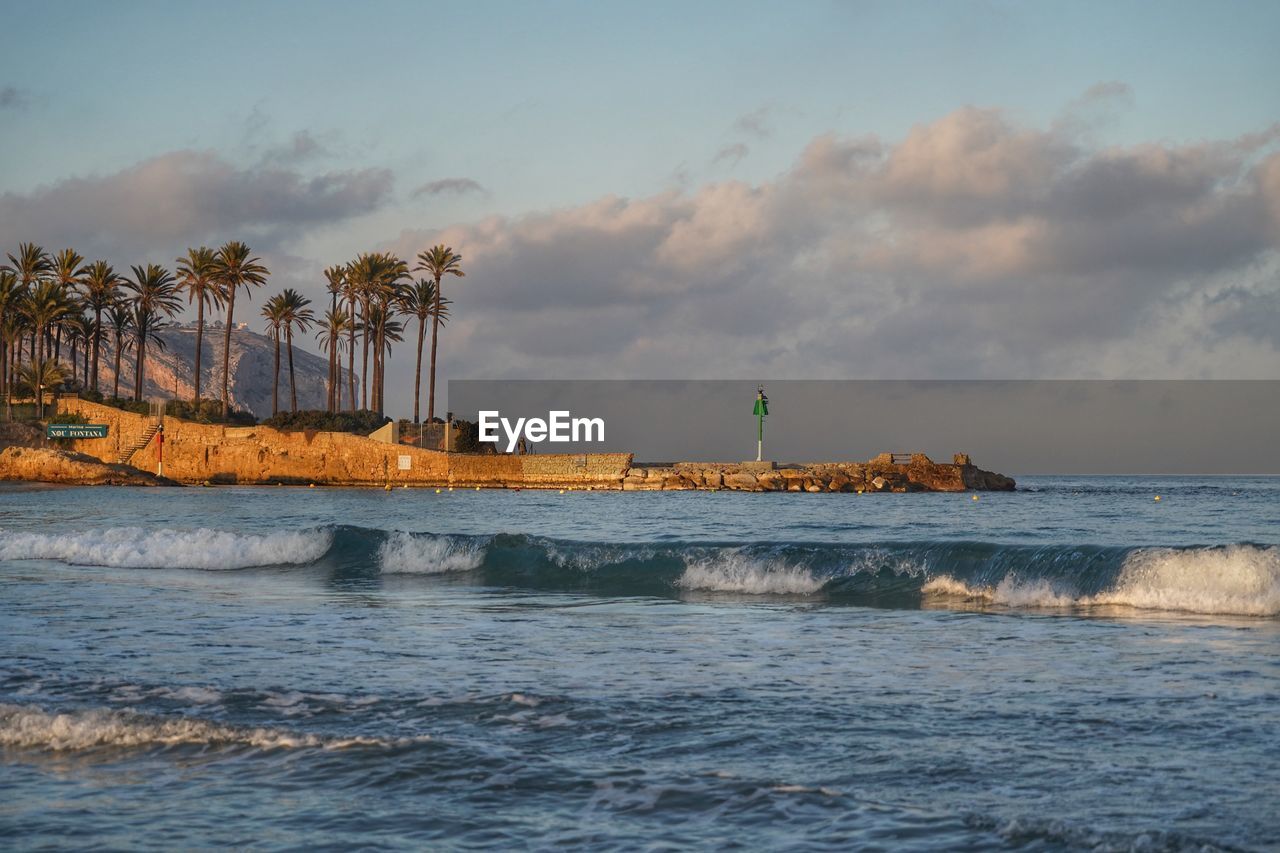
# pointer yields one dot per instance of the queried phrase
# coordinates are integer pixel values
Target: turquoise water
(1074, 665)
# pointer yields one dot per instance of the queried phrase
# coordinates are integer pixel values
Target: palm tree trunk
(140, 354)
(226, 351)
(435, 332)
(364, 365)
(97, 344)
(195, 401)
(293, 389)
(86, 364)
(275, 378)
(337, 378)
(115, 393)
(351, 357)
(379, 356)
(417, 370)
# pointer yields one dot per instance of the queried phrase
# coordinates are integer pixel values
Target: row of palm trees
(365, 297)
(48, 299)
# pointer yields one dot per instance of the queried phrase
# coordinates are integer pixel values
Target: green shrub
(362, 422)
(68, 418)
(208, 412)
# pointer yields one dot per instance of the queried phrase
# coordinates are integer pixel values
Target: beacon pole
(762, 409)
(160, 438)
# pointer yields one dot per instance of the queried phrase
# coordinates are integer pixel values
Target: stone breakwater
(882, 474)
(218, 455)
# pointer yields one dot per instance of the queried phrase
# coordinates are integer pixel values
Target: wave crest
(139, 548)
(1238, 580)
(735, 571)
(424, 553)
(26, 727)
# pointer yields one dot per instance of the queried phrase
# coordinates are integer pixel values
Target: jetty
(216, 454)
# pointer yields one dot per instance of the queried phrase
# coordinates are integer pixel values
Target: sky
(678, 190)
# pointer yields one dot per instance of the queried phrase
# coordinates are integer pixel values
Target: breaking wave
(405, 553)
(1239, 579)
(139, 548)
(734, 571)
(27, 727)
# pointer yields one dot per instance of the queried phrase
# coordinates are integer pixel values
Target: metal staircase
(157, 418)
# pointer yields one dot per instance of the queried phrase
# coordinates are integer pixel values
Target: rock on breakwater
(882, 474)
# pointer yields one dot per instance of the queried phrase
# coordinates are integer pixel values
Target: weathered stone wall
(197, 453)
(881, 474)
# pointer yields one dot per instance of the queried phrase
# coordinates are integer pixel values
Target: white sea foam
(1241, 580)
(140, 548)
(735, 571)
(26, 727)
(405, 553)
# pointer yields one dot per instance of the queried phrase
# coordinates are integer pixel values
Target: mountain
(170, 370)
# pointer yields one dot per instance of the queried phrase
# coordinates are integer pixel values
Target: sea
(1072, 666)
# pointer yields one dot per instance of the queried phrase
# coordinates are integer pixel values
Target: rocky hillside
(170, 371)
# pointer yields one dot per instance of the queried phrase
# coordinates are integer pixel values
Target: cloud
(159, 206)
(755, 123)
(451, 186)
(731, 154)
(12, 98)
(301, 146)
(974, 246)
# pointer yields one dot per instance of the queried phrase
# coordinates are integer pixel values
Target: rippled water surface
(1072, 666)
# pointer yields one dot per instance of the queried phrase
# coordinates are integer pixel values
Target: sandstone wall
(196, 453)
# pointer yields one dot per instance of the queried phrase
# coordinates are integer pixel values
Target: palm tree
(438, 261)
(31, 263)
(68, 268)
(11, 297)
(296, 313)
(121, 322)
(155, 294)
(79, 329)
(37, 376)
(336, 279)
(236, 268)
(101, 289)
(47, 303)
(418, 299)
(333, 327)
(197, 275)
(274, 311)
(352, 294)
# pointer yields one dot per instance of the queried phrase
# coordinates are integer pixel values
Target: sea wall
(199, 453)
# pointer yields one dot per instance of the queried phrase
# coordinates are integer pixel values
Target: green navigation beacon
(761, 411)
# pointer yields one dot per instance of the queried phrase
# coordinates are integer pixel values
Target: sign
(406, 462)
(75, 431)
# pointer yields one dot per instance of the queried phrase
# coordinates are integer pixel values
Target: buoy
(311, 486)
(562, 491)
(451, 488)
(975, 497)
(477, 488)
(437, 491)
(405, 486)
(1157, 497)
(387, 487)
